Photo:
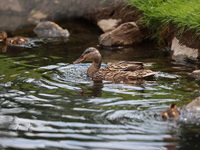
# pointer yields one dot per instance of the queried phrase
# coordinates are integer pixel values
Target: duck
(123, 70)
(18, 40)
(170, 113)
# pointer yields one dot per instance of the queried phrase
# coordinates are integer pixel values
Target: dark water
(46, 102)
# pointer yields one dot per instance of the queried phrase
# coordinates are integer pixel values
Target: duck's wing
(132, 75)
(123, 66)
(124, 70)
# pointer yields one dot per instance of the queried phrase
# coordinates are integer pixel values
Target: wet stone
(107, 25)
(10, 5)
(182, 52)
(191, 111)
(126, 34)
(50, 29)
(196, 74)
(36, 17)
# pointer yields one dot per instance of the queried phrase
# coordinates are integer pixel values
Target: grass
(158, 14)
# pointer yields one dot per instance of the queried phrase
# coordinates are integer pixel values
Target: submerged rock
(126, 34)
(107, 25)
(50, 29)
(196, 74)
(182, 52)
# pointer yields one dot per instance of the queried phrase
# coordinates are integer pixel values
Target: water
(46, 102)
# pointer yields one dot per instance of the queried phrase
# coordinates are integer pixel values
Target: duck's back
(124, 70)
(124, 66)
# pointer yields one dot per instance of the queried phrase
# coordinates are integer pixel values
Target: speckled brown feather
(16, 40)
(123, 70)
(13, 41)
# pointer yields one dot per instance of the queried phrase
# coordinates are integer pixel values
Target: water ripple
(58, 106)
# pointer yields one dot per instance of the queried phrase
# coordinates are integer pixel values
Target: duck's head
(171, 113)
(3, 35)
(90, 53)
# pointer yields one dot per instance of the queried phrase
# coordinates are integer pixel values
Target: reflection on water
(46, 102)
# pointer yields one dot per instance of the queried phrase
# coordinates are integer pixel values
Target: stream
(47, 102)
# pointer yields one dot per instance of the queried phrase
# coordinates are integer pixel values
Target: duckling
(171, 113)
(123, 70)
(12, 41)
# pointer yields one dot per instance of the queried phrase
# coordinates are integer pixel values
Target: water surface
(46, 102)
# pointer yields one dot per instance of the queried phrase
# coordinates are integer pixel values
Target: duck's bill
(80, 59)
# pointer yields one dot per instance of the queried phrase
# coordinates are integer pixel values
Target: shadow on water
(46, 102)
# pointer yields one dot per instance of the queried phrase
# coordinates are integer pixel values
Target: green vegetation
(160, 14)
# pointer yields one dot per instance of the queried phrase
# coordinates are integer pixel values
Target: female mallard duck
(171, 113)
(117, 71)
(13, 41)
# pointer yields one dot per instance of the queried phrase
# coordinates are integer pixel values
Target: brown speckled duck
(122, 70)
(12, 41)
(171, 113)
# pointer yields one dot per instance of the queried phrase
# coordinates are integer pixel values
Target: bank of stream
(46, 102)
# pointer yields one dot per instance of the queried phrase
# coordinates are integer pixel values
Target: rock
(36, 17)
(194, 103)
(191, 112)
(182, 52)
(50, 29)
(10, 5)
(196, 74)
(126, 34)
(107, 25)
(10, 23)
